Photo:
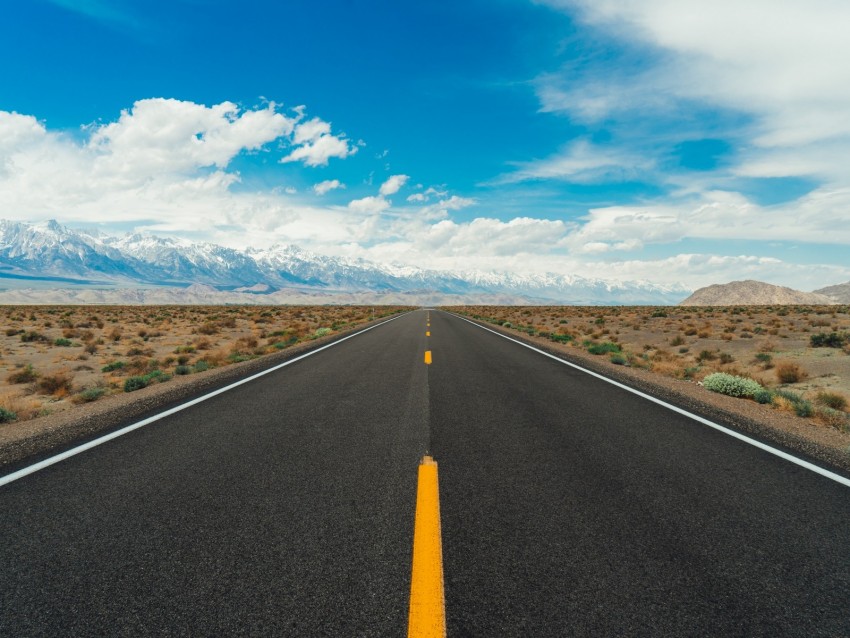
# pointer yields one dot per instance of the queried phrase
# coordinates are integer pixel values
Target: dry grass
(109, 344)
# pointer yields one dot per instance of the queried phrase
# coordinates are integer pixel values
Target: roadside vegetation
(793, 358)
(56, 357)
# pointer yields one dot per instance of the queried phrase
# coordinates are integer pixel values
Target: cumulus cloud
(393, 185)
(160, 136)
(317, 145)
(369, 204)
(326, 186)
(161, 162)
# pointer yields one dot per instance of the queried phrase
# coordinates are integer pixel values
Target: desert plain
(54, 358)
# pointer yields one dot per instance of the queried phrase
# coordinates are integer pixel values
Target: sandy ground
(53, 359)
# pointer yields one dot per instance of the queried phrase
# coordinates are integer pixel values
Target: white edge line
(30, 469)
(767, 448)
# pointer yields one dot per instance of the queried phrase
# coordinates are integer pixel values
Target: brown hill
(752, 293)
(839, 293)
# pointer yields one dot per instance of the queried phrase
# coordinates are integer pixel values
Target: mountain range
(47, 262)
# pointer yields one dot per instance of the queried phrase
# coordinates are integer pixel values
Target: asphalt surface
(285, 507)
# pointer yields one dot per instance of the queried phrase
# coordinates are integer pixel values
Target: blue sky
(660, 140)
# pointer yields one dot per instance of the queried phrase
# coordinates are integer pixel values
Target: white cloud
(417, 198)
(311, 130)
(369, 205)
(317, 145)
(393, 184)
(582, 162)
(326, 186)
(161, 162)
(781, 61)
(159, 135)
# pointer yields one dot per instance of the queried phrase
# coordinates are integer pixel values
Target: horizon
(602, 140)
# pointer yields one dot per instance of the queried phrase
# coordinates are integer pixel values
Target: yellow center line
(427, 333)
(427, 617)
(428, 357)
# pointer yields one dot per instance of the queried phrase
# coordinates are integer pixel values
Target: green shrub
(321, 332)
(659, 313)
(201, 366)
(793, 397)
(706, 355)
(182, 369)
(560, 338)
(731, 385)
(114, 365)
(603, 348)
(804, 408)
(7, 416)
(62, 342)
(135, 383)
(89, 395)
(690, 372)
(763, 396)
(507, 324)
(831, 340)
(618, 359)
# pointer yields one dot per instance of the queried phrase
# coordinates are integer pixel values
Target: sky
(673, 141)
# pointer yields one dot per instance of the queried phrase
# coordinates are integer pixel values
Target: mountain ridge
(41, 251)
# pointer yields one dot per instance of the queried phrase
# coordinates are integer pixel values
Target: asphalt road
(285, 507)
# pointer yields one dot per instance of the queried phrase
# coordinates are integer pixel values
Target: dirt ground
(775, 345)
(56, 358)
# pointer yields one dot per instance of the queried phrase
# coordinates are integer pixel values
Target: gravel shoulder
(820, 444)
(23, 443)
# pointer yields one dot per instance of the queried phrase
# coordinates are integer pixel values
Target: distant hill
(752, 293)
(839, 293)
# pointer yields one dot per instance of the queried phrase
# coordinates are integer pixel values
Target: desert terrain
(800, 355)
(53, 358)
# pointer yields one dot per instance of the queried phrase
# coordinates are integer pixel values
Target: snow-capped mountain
(50, 252)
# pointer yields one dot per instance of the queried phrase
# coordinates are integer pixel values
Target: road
(285, 506)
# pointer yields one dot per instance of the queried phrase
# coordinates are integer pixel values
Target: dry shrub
(137, 365)
(202, 344)
(25, 375)
(25, 408)
(208, 328)
(216, 358)
(782, 404)
(767, 346)
(789, 372)
(831, 400)
(833, 418)
(58, 384)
